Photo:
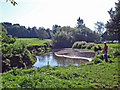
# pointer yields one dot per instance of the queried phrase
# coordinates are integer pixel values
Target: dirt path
(76, 53)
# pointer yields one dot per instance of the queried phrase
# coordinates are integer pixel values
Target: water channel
(52, 60)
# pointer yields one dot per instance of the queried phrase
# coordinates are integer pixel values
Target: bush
(16, 55)
(97, 60)
(97, 47)
(101, 56)
(75, 45)
(90, 45)
(79, 45)
(116, 52)
(83, 46)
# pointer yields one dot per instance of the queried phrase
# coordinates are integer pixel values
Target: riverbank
(75, 54)
(98, 75)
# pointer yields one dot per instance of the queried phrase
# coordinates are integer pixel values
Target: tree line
(66, 36)
(22, 32)
(63, 37)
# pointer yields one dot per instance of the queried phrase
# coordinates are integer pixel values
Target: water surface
(52, 60)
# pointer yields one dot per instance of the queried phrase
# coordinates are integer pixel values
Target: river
(52, 60)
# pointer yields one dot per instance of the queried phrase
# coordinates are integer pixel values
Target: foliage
(36, 46)
(79, 45)
(14, 54)
(113, 25)
(62, 39)
(99, 27)
(79, 22)
(113, 52)
(90, 45)
(97, 47)
(23, 32)
(12, 2)
(97, 60)
(42, 34)
(95, 74)
(66, 36)
(116, 52)
(54, 27)
(109, 36)
(6, 38)
(102, 75)
(85, 45)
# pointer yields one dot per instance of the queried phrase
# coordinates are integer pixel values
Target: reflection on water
(52, 60)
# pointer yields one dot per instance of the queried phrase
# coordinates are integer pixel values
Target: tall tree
(79, 22)
(113, 25)
(55, 26)
(99, 27)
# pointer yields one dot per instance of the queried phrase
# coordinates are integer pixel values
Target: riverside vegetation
(94, 74)
(15, 53)
(18, 58)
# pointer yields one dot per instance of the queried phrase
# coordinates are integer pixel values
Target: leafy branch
(12, 2)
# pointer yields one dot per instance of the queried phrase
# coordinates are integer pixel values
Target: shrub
(90, 45)
(79, 45)
(83, 46)
(116, 52)
(97, 47)
(100, 56)
(49, 43)
(97, 60)
(75, 45)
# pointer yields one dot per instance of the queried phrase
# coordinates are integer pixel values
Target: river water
(52, 60)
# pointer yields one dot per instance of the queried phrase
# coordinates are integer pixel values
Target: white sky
(46, 13)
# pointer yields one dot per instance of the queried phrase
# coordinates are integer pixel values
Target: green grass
(32, 41)
(111, 45)
(0, 81)
(89, 75)
(103, 75)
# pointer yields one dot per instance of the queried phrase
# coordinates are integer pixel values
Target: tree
(113, 25)
(12, 2)
(20, 31)
(13, 54)
(48, 31)
(42, 34)
(54, 27)
(79, 22)
(99, 27)
(66, 36)
(62, 39)
(109, 36)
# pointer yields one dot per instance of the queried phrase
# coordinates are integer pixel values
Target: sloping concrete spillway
(76, 54)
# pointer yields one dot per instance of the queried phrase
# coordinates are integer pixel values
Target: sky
(46, 13)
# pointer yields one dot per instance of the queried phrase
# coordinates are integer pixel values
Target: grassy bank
(103, 75)
(32, 41)
(21, 52)
(89, 75)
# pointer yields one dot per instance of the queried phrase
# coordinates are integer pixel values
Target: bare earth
(76, 53)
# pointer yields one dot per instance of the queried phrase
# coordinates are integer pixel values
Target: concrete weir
(76, 54)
